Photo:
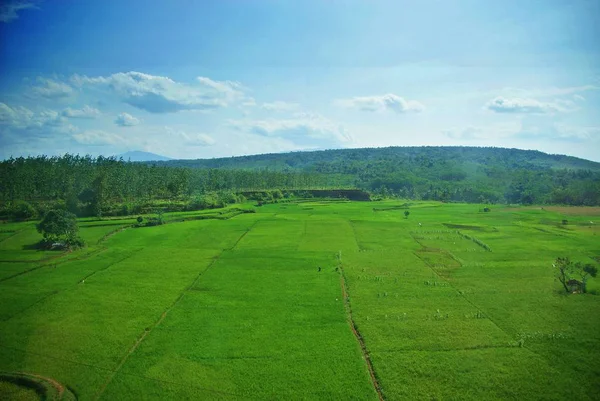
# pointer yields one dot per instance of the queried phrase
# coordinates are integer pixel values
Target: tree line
(96, 186)
(87, 185)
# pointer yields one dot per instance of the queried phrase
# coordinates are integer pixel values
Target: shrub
(75, 242)
(22, 210)
(60, 226)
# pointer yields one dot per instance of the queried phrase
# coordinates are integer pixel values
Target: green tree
(566, 270)
(59, 225)
(406, 213)
(585, 272)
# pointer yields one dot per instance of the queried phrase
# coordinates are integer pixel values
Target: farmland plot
(447, 303)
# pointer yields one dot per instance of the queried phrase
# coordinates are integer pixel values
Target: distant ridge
(339, 159)
(139, 156)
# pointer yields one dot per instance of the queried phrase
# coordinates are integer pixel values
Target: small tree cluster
(567, 270)
(214, 200)
(60, 226)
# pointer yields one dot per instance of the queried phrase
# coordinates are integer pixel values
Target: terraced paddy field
(309, 300)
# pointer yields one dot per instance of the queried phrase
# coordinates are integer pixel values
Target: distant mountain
(470, 174)
(139, 156)
(346, 161)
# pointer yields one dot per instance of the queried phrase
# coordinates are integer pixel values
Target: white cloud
(382, 103)
(22, 127)
(51, 89)
(126, 120)
(565, 90)
(14, 116)
(157, 94)
(527, 106)
(197, 139)
(9, 11)
(279, 106)
(21, 118)
(98, 138)
(304, 128)
(84, 112)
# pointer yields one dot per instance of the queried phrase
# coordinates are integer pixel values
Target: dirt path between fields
(363, 347)
(60, 389)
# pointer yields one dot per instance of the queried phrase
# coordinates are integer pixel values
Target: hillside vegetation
(104, 186)
(438, 173)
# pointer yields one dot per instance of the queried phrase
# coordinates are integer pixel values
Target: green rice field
(314, 300)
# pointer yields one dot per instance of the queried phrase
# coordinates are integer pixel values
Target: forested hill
(443, 173)
(347, 160)
(458, 174)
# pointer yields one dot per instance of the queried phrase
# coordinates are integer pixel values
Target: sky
(203, 79)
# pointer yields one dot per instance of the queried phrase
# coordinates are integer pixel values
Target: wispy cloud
(381, 103)
(195, 139)
(21, 128)
(9, 10)
(558, 132)
(546, 92)
(279, 106)
(85, 112)
(98, 138)
(303, 128)
(23, 119)
(527, 106)
(469, 133)
(126, 120)
(157, 94)
(50, 89)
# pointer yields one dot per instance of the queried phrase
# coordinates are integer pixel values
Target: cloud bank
(157, 94)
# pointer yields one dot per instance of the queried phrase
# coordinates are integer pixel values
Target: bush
(75, 242)
(58, 225)
(208, 200)
(22, 210)
(153, 221)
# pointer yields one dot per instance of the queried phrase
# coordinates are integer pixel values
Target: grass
(239, 309)
(15, 392)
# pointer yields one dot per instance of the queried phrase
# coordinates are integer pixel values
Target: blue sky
(200, 79)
